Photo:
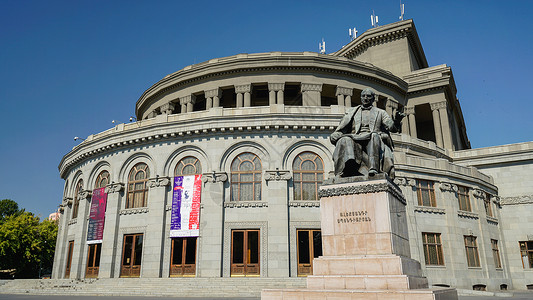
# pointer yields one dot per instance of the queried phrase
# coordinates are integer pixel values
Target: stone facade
(278, 106)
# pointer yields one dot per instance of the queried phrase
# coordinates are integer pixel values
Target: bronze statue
(363, 145)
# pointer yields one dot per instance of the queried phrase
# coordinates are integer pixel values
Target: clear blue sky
(68, 68)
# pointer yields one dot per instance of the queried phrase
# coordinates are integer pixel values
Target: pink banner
(185, 219)
(95, 232)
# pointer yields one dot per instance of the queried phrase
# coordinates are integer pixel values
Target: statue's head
(367, 97)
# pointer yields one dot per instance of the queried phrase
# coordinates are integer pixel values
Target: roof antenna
(402, 10)
(374, 19)
(353, 33)
(322, 47)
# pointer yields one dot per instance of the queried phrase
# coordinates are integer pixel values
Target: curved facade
(256, 127)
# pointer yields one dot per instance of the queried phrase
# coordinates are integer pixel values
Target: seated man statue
(363, 145)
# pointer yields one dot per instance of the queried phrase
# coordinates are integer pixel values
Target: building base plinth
(305, 294)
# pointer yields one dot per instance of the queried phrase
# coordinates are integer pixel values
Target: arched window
(308, 170)
(246, 177)
(188, 166)
(137, 189)
(76, 205)
(102, 180)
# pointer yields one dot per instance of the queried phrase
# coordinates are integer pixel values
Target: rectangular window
(426, 193)
(69, 258)
(309, 247)
(472, 254)
(496, 254)
(526, 251)
(432, 249)
(488, 207)
(464, 198)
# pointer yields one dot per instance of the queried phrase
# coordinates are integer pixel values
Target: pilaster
(167, 108)
(344, 96)
(108, 258)
(311, 94)
(152, 265)
(246, 90)
(410, 112)
(187, 103)
(445, 125)
(391, 106)
(78, 256)
(213, 97)
(211, 225)
(60, 255)
(437, 124)
(278, 222)
(275, 93)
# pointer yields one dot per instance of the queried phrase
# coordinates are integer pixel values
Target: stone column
(152, 264)
(211, 225)
(344, 96)
(311, 94)
(213, 97)
(183, 103)
(275, 91)
(78, 255)
(376, 100)
(239, 100)
(245, 89)
(445, 125)
(391, 107)
(278, 222)
(167, 109)
(190, 103)
(410, 112)
(437, 123)
(108, 257)
(60, 255)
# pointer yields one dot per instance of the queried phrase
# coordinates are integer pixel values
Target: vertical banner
(95, 231)
(185, 218)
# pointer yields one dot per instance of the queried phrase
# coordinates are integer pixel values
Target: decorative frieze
(343, 91)
(438, 105)
(187, 99)
(276, 86)
(277, 175)
(167, 108)
(114, 188)
(326, 191)
(430, 209)
(73, 221)
(467, 214)
(133, 211)
(409, 110)
(245, 204)
(214, 177)
(245, 88)
(525, 199)
(391, 104)
(480, 194)
(213, 93)
(311, 87)
(403, 181)
(492, 220)
(300, 203)
(448, 187)
(158, 182)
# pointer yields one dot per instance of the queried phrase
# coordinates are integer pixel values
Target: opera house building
(219, 175)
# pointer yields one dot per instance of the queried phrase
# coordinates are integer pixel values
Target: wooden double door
(245, 253)
(183, 260)
(131, 255)
(93, 260)
(309, 248)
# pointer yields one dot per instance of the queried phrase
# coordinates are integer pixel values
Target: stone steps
(183, 287)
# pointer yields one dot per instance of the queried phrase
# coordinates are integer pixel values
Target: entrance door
(309, 247)
(183, 261)
(131, 255)
(93, 260)
(69, 258)
(245, 253)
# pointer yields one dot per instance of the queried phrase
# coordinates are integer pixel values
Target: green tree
(26, 244)
(8, 207)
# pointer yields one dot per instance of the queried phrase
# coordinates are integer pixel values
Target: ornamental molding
(480, 194)
(438, 105)
(430, 209)
(467, 214)
(114, 188)
(244, 88)
(73, 221)
(214, 177)
(311, 87)
(368, 188)
(380, 39)
(66, 201)
(245, 204)
(158, 182)
(403, 181)
(277, 175)
(343, 91)
(392, 104)
(85, 194)
(525, 199)
(303, 203)
(133, 211)
(492, 220)
(276, 86)
(213, 93)
(167, 108)
(133, 229)
(409, 110)
(448, 187)
(188, 99)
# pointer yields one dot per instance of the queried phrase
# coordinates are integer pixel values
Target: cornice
(429, 209)
(304, 203)
(245, 204)
(525, 199)
(367, 187)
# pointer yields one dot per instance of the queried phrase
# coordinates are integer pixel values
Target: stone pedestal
(365, 248)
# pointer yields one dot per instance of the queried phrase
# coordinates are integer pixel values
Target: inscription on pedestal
(353, 217)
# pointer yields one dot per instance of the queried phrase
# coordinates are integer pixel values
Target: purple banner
(185, 217)
(95, 232)
(175, 217)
